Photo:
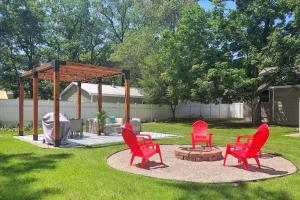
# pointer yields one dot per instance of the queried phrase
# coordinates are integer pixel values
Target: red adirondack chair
(145, 151)
(200, 133)
(245, 140)
(249, 149)
(142, 138)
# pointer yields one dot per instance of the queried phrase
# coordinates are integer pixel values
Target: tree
(169, 81)
(22, 30)
(77, 32)
(133, 52)
(150, 50)
(264, 25)
(67, 23)
(116, 17)
(158, 15)
(242, 44)
(217, 78)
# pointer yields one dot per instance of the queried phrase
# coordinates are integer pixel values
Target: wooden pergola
(67, 72)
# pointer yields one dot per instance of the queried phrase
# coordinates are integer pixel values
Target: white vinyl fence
(9, 110)
(209, 111)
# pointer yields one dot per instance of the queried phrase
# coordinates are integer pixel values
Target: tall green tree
(157, 14)
(179, 52)
(148, 50)
(67, 22)
(22, 33)
(216, 76)
(148, 19)
(242, 45)
(76, 32)
(265, 43)
(134, 51)
(115, 14)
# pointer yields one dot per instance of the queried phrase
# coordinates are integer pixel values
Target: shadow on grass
(227, 191)
(263, 169)
(14, 170)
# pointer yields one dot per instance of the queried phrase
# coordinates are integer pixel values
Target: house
(280, 105)
(6, 94)
(284, 102)
(110, 93)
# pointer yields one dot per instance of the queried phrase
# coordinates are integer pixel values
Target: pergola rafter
(67, 72)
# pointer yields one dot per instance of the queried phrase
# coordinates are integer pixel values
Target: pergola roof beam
(70, 71)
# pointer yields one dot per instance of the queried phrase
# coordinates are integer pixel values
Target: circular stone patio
(204, 171)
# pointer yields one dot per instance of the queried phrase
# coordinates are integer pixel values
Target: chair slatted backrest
(129, 126)
(259, 139)
(131, 140)
(200, 128)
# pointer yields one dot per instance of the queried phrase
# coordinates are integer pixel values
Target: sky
(207, 5)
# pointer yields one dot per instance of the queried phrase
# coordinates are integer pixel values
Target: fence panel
(9, 112)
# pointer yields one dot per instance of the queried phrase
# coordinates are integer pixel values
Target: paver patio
(89, 139)
(205, 171)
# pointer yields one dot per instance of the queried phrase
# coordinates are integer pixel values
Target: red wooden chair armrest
(230, 145)
(142, 138)
(237, 145)
(149, 145)
(238, 138)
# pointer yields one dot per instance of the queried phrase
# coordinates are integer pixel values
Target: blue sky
(207, 5)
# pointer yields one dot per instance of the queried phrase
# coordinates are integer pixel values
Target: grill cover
(48, 124)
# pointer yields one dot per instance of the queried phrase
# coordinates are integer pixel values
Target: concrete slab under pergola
(67, 72)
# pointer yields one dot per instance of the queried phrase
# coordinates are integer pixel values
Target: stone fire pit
(198, 154)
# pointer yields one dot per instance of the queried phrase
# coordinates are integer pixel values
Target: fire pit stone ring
(198, 154)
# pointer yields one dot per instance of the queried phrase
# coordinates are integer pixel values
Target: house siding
(286, 106)
(266, 112)
(71, 95)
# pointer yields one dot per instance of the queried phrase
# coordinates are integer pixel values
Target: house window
(265, 96)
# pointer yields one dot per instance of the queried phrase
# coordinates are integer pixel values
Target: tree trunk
(256, 109)
(173, 109)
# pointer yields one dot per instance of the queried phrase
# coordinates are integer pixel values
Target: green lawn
(29, 172)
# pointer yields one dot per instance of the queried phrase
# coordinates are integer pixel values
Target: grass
(29, 172)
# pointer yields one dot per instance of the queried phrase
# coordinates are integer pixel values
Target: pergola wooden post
(127, 95)
(78, 100)
(21, 106)
(68, 72)
(35, 104)
(55, 65)
(99, 94)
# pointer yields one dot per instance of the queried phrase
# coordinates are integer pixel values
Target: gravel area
(205, 171)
